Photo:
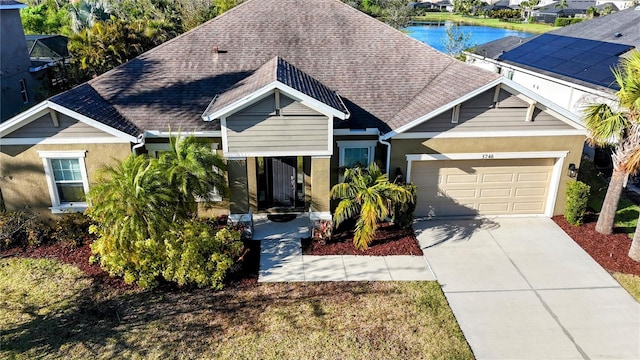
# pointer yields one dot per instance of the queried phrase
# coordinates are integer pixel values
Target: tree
(146, 223)
(396, 13)
(456, 40)
(46, 18)
(618, 125)
(561, 5)
(366, 194)
(527, 8)
(194, 170)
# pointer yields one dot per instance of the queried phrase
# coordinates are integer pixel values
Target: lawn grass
(631, 283)
(51, 310)
(627, 215)
(473, 20)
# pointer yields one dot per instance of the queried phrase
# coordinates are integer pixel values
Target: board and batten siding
(258, 128)
(69, 128)
(482, 114)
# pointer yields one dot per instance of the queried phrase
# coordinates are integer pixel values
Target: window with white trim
(67, 179)
(357, 152)
(156, 149)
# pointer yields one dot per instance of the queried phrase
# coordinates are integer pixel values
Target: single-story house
(288, 93)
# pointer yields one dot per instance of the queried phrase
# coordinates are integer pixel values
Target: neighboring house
(32, 65)
(568, 65)
(288, 94)
(49, 55)
(18, 87)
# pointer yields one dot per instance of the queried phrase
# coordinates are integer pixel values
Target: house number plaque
(487, 156)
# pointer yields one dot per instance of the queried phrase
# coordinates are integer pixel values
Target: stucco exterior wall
(320, 184)
(572, 144)
(22, 178)
(238, 186)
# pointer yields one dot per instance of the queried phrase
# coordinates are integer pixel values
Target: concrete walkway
(520, 288)
(282, 260)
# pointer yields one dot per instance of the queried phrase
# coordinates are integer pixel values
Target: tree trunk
(610, 204)
(634, 251)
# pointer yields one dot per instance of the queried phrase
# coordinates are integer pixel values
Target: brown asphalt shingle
(385, 78)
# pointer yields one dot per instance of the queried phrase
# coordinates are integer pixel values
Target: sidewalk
(282, 260)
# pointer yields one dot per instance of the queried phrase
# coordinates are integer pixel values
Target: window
(356, 152)
(67, 179)
(23, 91)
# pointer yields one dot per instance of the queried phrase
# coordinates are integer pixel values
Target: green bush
(72, 229)
(576, 205)
(403, 213)
(194, 252)
(566, 21)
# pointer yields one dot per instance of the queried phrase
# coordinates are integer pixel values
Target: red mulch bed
(243, 275)
(389, 240)
(610, 251)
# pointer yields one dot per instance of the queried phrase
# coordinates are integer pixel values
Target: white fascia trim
(24, 118)
(356, 143)
(63, 154)
(354, 132)
(566, 116)
(547, 77)
(198, 134)
(66, 141)
(488, 134)
(229, 155)
(265, 91)
(442, 109)
(13, 7)
(96, 124)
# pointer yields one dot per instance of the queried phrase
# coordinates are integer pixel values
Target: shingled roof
(380, 73)
(278, 70)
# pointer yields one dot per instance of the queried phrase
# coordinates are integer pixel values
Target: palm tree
(618, 126)
(561, 5)
(367, 194)
(194, 170)
(131, 203)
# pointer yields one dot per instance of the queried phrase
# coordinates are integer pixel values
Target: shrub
(72, 229)
(566, 21)
(22, 229)
(198, 254)
(576, 205)
(403, 212)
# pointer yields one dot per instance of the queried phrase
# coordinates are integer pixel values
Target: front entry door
(282, 171)
(280, 183)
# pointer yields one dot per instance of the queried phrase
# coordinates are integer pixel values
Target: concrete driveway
(521, 288)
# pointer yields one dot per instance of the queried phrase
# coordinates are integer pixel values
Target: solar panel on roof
(582, 59)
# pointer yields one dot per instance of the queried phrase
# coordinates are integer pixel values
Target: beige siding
(258, 129)
(573, 144)
(23, 182)
(482, 187)
(68, 128)
(481, 114)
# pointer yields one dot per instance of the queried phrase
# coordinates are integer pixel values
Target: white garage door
(481, 187)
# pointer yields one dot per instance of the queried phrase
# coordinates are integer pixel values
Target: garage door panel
(533, 176)
(530, 192)
(482, 187)
(489, 178)
(501, 207)
(498, 192)
(459, 179)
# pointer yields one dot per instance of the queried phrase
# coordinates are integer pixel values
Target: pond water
(435, 35)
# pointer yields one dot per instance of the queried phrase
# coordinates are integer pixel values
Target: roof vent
(617, 35)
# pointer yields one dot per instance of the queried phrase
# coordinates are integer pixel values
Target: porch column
(320, 183)
(238, 186)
